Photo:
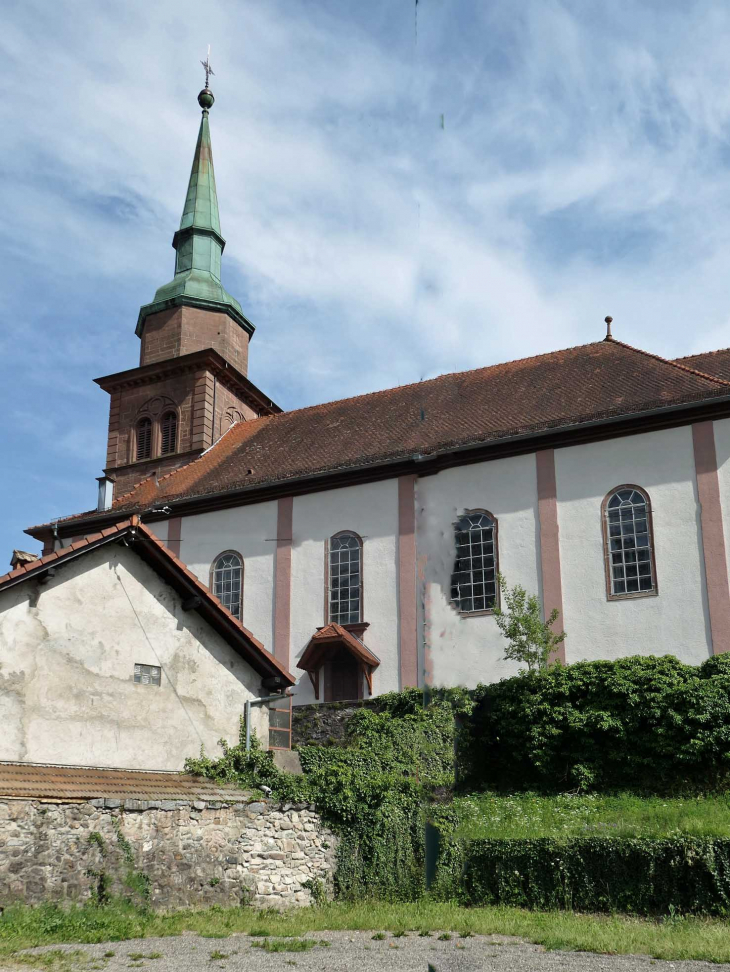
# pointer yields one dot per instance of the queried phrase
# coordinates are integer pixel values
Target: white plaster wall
(67, 655)
(371, 510)
(674, 622)
(722, 449)
(465, 650)
(160, 529)
(250, 530)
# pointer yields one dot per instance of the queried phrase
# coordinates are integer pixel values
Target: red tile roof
(331, 635)
(28, 781)
(550, 391)
(716, 363)
(147, 545)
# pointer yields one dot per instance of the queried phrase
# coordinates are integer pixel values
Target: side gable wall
(67, 656)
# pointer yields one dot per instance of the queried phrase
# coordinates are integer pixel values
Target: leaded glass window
(345, 580)
(227, 575)
(474, 580)
(629, 542)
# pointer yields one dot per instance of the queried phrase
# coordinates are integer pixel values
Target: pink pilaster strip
(408, 626)
(282, 581)
(547, 510)
(713, 536)
(174, 535)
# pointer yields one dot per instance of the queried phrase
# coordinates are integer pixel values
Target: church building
(359, 541)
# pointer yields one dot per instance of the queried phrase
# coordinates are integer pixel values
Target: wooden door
(342, 679)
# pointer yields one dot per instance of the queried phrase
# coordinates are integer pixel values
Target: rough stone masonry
(185, 853)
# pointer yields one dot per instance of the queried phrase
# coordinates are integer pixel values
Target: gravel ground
(352, 952)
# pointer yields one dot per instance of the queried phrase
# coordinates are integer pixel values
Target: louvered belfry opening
(144, 438)
(168, 433)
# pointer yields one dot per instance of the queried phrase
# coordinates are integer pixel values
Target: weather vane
(208, 69)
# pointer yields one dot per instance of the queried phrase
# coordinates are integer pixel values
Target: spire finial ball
(608, 320)
(206, 99)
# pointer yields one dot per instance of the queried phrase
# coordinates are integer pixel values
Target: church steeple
(192, 380)
(198, 242)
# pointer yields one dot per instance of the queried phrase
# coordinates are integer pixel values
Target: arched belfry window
(144, 438)
(474, 584)
(628, 543)
(226, 580)
(345, 578)
(168, 433)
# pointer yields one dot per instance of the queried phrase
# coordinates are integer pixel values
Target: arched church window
(144, 438)
(345, 578)
(168, 433)
(628, 543)
(474, 584)
(227, 580)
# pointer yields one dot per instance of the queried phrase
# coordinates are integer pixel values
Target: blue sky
(405, 190)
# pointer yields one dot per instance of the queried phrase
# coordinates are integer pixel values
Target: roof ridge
(672, 363)
(428, 381)
(700, 354)
(37, 565)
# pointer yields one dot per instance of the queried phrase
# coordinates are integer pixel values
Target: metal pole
(247, 717)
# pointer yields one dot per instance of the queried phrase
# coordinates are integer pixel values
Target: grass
(674, 938)
(288, 944)
(528, 815)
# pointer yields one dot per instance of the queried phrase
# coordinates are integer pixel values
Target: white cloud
(581, 170)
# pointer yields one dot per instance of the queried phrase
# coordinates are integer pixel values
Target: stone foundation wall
(185, 854)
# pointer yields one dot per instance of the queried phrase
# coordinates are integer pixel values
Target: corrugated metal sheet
(32, 782)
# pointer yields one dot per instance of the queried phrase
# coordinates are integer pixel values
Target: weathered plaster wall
(251, 531)
(676, 620)
(372, 512)
(193, 854)
(67, 656)
(462, 650)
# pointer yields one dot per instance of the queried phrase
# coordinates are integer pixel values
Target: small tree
(531, 640)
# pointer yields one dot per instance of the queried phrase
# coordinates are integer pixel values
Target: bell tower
(191, 383)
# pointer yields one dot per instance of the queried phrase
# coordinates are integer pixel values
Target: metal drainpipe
(247, 712)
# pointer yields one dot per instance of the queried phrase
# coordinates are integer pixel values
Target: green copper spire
(198, 243)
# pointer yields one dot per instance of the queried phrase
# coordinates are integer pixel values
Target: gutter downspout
(247, 712)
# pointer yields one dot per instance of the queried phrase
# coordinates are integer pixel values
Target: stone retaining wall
(185, 854)
(325, 723)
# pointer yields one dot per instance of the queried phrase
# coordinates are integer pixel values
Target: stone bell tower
(191, 384)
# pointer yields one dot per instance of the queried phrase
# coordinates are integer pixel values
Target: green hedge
(647, 724)
(646, 876)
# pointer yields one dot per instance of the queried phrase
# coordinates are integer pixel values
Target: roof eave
(423, 464)
(152, 551)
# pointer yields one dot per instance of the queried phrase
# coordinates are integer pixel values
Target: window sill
(475, 614)
(632, 596)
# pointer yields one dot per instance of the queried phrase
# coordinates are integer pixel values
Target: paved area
(348, 952)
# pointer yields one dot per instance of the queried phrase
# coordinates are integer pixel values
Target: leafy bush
(531, 640)
(686, 875)
(372, 791)
(647, 724)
